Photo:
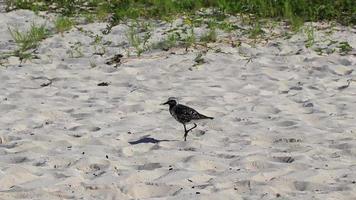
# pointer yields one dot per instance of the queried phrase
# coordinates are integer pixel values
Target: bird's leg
(185, 133)
(195, 125)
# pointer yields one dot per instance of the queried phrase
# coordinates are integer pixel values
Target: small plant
(30, 39)
(210, 36)
(309, 31)
(344, 48)
(137, 40)
(190, 39)
(99, 48)
(63, 24)
(227, 26)
(76, 50)
(27, 41)
(172, 40)
(88, 17)
(255, 31)
(102, 13)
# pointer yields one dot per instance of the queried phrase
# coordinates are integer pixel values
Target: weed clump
(27, 41)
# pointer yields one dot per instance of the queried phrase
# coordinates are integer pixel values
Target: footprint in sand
(286, 123)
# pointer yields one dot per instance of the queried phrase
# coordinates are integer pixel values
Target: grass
(138, 36)
(255, 31)
(344, 48)
(75, 50)
(210, 35)
(27, 41)
(309, 32)
(190, 39)
(172, 40)
(292, 11)
(99, 47)
(63, 24)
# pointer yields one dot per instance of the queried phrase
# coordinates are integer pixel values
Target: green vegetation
(138, 36)
(63, 24)
(256, 15)
(344, 48)
(75, 50)
(255, 31)
(309, 31)
(99, 47)
(172, 40)
(295, 12)
(190, 39)
(27, 41)
(211, 35)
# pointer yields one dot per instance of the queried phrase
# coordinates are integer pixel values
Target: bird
(184, 114)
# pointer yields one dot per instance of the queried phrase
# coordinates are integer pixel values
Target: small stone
(308, 104)
(103, 84)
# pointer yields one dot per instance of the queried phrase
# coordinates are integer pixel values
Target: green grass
(294, 11)
(209, 36)
(27, 41)
(63, 24)
(344, 48)
(31, 38)
(172, 40)
(255, 31)
(190, 39)
(76, 50)
(138, 36)
(252, 12)
(309, 32)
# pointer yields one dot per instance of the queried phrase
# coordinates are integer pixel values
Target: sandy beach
(73, 126)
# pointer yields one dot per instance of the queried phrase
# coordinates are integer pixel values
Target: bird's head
(171, 101)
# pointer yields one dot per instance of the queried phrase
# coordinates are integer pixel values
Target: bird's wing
(186, 113)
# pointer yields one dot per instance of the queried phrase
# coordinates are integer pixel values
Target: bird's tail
(206, 117)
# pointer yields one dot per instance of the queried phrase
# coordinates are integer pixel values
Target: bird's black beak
(164, 103)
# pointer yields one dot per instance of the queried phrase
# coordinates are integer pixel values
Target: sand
(284, 124)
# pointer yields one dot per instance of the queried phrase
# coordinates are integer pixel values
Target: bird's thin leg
(185, 133)
(195, 125)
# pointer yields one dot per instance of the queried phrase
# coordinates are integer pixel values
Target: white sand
(282, 127)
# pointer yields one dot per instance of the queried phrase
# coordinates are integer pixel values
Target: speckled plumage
(184, 114)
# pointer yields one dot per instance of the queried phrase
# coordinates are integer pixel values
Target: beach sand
(284, 124)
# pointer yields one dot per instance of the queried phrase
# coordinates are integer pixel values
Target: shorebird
(184, 114)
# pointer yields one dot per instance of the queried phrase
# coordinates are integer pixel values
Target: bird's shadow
(147, 139)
